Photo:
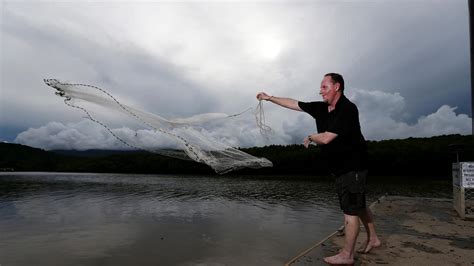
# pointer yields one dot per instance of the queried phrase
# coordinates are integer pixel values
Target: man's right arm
(284, 102)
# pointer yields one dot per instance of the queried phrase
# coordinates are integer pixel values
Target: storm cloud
(405, 63)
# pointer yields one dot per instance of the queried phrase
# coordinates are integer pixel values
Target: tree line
(412, 157)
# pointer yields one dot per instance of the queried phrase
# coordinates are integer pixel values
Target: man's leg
(373, 241)
(346, 255)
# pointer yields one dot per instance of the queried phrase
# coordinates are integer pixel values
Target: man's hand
(281, 101)
(307, 141)
(263, 96)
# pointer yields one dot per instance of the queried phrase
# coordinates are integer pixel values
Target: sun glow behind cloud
(268, 47)
(183, 58)
(212, 44)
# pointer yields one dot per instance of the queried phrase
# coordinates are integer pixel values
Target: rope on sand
(341, 229)
(313, 246)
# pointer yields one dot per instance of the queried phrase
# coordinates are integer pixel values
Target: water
(113, 219)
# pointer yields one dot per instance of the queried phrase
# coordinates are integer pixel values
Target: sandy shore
(414, 231)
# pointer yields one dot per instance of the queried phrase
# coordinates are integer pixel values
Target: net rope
(193, 141)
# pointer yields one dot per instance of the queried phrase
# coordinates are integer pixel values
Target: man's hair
(337, 78)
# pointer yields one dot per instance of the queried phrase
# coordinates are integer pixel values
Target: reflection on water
(111, 219)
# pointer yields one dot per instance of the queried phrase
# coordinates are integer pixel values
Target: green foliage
(430, 157)
(419, 156)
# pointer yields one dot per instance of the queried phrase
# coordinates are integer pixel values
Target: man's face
(328, 89)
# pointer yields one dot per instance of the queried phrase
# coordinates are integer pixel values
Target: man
(343, 144)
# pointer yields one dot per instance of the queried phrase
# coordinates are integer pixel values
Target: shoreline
(413, 231)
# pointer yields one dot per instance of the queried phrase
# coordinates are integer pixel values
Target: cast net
(182, 138)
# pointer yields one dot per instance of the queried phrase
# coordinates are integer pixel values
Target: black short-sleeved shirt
(348, 151)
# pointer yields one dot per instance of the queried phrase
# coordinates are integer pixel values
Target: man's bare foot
(339, 259)
(369, 245)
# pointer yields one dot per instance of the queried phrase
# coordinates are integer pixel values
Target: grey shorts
(350, 189)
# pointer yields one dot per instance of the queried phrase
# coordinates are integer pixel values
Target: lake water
(115, 219)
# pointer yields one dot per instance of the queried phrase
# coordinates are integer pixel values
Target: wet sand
(414, 231)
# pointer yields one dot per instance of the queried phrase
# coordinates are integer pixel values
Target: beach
(413, 230)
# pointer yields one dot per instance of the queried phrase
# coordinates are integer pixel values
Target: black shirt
(348, 151)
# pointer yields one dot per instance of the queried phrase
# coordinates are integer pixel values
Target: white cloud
(87, 134)
(443, 121)
(378, 112)
(381, 115)
(81, 135)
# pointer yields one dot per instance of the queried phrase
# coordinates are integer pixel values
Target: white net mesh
(184, 137)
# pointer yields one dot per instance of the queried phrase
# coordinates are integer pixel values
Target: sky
(405, 64)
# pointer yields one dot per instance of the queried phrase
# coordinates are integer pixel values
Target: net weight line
(192, 151)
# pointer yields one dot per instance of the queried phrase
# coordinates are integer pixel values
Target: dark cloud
(183, 59)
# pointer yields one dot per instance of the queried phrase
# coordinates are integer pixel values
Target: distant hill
(21, 157)
(24, 158)
(430, 157)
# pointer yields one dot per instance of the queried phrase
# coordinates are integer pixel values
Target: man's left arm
(319, 138)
